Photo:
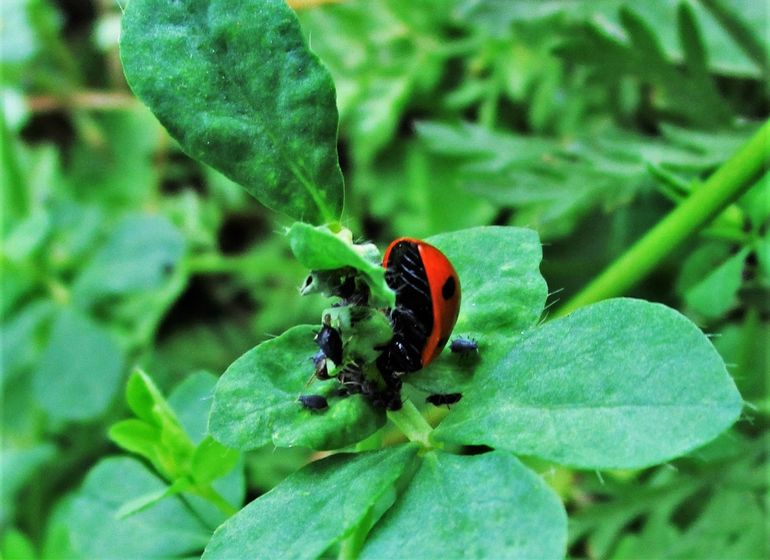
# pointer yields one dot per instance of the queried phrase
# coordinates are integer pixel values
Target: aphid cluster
(401, 339)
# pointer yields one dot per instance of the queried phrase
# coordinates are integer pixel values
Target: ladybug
(427, 303)
(463, 346)
(313, 402)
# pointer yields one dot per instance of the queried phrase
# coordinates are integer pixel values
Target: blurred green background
(587, 121)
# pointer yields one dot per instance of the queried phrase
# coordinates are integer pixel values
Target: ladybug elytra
(427, 304)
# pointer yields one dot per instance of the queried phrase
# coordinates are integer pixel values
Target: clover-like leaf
(235, 83)
(166, 529)
(318, 248)
(483, 506)
(255, 401)
(314, 508)
(138, 256)
(503, 294)
(620, 384)
(80, 369)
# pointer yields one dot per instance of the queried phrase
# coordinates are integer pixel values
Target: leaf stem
(409, 420)
(217, 499)
(722, 188)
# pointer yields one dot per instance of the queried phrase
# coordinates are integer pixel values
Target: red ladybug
(427, 303)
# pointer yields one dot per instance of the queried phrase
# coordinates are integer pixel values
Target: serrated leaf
(236, 85)
(318, 248)
(167, 529)
(255, 401)
(80, 369)
(620, 384)
(503, 294)
(484, 506)
(317, 506)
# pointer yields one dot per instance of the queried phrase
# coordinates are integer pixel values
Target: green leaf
(120, 170)
(620, 384)
(483, 506)
(717, 293)
(80, 369)
(136, 436)
(236, 85)
(318, 248)
(167, 529)
(158, 435)
(739, 26)
(20, 343)
(503, 294)
(139, 255)
(146, 401)
(27, 236)
(145, 501)
(18, 465)
(191, 401)
(502, 288)
(255, 401)
(315, 507)
(16, 546)
(212, 460)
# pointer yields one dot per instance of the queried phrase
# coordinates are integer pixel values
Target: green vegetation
(597, 173)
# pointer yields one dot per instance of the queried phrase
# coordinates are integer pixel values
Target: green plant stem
(409, 420)
(217, 499)
(722, 188)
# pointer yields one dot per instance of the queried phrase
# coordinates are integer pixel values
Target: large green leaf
(483, 506)
(167, 529)
(503, 294)
(622, 383)
(235, 84)
(255, 401)
(80, 369)
(315, 507)
(139, 255)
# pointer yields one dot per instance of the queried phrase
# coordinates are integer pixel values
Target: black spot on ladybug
(313, 402)
(463, 346)
(330, 343)
(447, 399)
(449, 288)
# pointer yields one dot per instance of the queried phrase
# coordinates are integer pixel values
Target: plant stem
(217, 499)
(409, 420)
(722, 188)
